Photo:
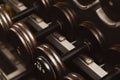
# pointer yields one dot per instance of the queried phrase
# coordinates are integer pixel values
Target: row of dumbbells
(50, 73)
(77, 16)
(65, 20)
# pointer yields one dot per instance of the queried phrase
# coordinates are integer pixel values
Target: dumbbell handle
(24, 13)
(75, 52)
(29, 11)
(43, 33)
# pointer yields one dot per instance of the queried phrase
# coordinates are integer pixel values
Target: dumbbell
(22, 37)
(7, 21)
(50, 66)
(100, 11)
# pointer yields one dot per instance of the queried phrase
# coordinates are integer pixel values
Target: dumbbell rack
(83, 62)
(67, 46)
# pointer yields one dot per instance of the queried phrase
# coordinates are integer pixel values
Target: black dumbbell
(91, 39)
(7, 21)
(50, 66)
(22, 37)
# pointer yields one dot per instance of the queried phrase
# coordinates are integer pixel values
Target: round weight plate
(25, 36)
(9, 21)
(44, 69)
(88, 31)
(48, 52)
(73, 76)
(30, 38)
(21, 40)
(5, 21)
(65, 14)
(18, 41)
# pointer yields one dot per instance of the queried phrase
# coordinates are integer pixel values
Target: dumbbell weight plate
(44, 70)
(5, 21)
(48, 52)
(28, 35)
(6, 16)
(19, 37)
